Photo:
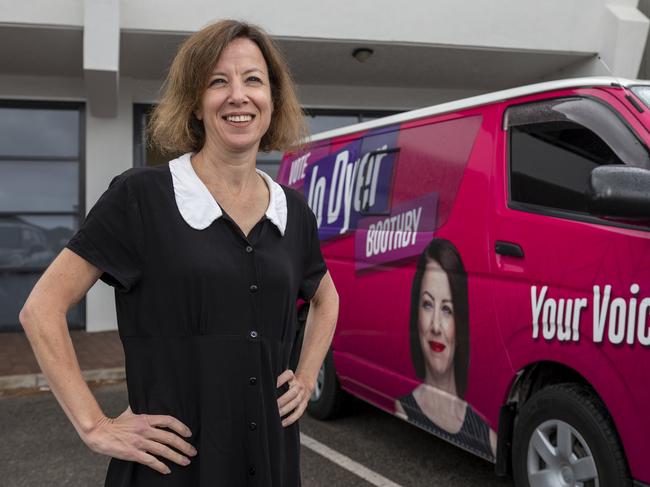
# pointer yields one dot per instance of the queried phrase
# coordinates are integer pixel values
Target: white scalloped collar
(199, 208)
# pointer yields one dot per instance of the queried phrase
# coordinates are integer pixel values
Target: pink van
(492, 257)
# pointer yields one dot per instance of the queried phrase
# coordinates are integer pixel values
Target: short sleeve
(314, 265)
(109, 237)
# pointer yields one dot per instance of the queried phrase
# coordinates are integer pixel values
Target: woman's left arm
(319, 330)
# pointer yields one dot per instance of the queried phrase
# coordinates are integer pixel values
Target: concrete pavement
(100, 356)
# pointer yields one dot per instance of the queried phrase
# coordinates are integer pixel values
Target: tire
(594, 456)
(328, 398)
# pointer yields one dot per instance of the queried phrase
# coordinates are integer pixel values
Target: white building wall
(54, 88)
(109, 151)
(44, 12)
(557, 24)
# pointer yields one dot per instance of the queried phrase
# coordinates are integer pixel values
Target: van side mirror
(619, 191)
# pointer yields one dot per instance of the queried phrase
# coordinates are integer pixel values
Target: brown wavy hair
(174, 128)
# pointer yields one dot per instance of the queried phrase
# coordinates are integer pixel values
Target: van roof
(474, 101)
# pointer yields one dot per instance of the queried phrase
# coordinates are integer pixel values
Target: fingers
(295, 416)
(158, 439)
(147, 440)
(151, 461)
(289, 400)
(159, 420)
(289, 395)
(293, 401)
(285, 377)
(160, 450)
(155, 442)
(167, 438)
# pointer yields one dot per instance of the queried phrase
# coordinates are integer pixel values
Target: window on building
(40, 194)
(554, 146)
(318, 120)
(321, 120)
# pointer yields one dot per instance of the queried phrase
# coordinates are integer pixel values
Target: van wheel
(564, 437)
(327, 399)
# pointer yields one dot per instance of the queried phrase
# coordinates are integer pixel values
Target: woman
(207, 256)
(439, 330)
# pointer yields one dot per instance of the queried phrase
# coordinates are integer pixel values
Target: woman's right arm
(135, 437)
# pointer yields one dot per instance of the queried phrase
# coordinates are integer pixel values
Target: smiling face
(236, 107)
(436, 325)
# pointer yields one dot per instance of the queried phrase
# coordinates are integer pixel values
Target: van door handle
(508, 248)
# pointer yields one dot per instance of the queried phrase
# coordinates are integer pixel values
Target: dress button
(249, 249)
(252, 426)
(252, 380)
(253, 334)
(253, 288)
(251, 470)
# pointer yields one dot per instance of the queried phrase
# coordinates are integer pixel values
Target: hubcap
(567, 475)
(558, 456)
(320, 381)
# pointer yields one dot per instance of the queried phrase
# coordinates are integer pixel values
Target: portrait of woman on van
(439, 337)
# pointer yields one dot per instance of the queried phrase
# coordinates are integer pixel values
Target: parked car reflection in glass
(23, 245)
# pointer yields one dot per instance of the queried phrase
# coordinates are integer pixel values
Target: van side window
(554, 145)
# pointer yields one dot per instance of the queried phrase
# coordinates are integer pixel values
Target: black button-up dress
(208, 320)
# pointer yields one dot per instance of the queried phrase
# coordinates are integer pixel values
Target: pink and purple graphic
(344, 186)
(404, 233)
